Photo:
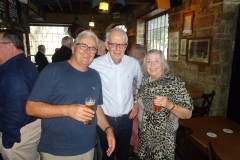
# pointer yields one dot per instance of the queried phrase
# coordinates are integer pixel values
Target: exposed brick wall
(215, 18)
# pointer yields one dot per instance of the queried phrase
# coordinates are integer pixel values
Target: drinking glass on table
(157, 93)
(89, 103)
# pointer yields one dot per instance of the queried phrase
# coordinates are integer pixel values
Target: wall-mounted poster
(198, 50)
(187, 25)
(173, 46)
(24, 18)
(2, 9)
(183, 47)
(13, 11)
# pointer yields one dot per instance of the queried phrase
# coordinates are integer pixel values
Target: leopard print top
(157, 139)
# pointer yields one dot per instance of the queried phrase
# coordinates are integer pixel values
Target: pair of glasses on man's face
(115, 45)
(85, 47)
(5, 42)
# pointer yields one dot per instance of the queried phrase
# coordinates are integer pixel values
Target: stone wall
(215, 18)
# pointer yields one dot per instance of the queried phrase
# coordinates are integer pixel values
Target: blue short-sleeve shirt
(60, 84)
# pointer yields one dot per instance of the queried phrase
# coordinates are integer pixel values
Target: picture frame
(187, 25)
(183, 47)
(173, 46)
(199, 50)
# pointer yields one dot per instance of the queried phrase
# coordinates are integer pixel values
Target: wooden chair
(205, 108)
(212, 155)
(182, 142)
(185, 149)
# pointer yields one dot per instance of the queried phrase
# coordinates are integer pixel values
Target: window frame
(147, 29)
(49, 52)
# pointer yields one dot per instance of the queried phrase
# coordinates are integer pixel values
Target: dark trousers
(122, 127)
(1, 157)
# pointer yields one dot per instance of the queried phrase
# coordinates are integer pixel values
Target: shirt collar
(8, 62)
(111, 61)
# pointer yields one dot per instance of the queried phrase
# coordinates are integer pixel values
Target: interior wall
(215, 18)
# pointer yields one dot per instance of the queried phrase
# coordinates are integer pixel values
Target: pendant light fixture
(91, 21)
(104, 6)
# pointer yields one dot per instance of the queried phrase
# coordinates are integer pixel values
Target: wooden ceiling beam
(70, 5)
(50, 8)
(60, 6)
(131, 2)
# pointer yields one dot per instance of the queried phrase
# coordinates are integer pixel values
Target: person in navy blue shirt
(19, 133)
(58, 97)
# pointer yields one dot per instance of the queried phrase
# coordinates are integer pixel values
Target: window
(157, 33)
(49, 36)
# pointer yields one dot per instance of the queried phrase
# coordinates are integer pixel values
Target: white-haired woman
(157, 134)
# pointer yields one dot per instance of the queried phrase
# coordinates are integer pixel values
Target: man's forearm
(44, 110)
(102, 121)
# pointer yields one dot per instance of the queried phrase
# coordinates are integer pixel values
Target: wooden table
(194, 93)
(226, 145)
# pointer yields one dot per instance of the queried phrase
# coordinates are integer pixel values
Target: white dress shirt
(117, 83)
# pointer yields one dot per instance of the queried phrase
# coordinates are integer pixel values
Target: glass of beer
(89, 103)
(157, 93)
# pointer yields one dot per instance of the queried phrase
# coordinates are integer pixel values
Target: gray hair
(138, 49)
(14, 38)
(41, 47)
(117, 29)
(67, 41)
(166, 68)
(86, 33)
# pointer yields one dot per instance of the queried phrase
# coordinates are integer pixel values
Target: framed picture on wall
(173, 46)
(198, 50)
(183, 47)
(187, 25)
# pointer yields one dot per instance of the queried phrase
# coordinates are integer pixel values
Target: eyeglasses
(84, 47)
(5, 42)
(115, 45)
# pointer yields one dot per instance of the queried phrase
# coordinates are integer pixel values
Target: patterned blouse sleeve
(180, 95)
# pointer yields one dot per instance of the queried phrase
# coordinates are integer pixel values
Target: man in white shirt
(117, 73)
